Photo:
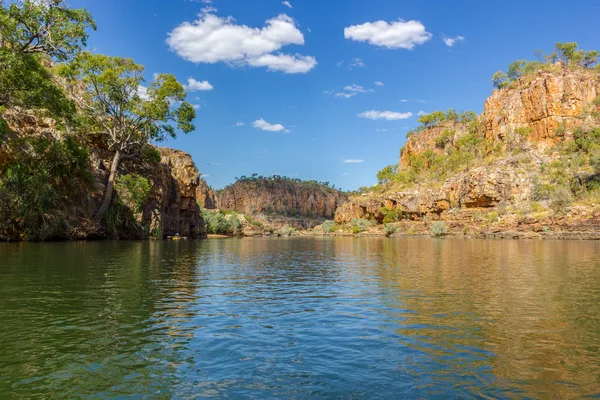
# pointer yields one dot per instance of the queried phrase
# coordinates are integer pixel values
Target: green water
(300, 318)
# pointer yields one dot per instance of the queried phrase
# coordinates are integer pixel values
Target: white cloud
(357, 89)
(345, 95)
(208, 10)
(290, 64)
(420, 113)
(353, 161)
(409, 101)
(346, 174)
(389, 115)
(452, 41)
(196, 106)
(287, 3)
(356, 63)
(239, 124)
(349, 91)
(379, 83)
(194, 85)
(265, 126)
(142, 91)
(396, 35)
(212, 39)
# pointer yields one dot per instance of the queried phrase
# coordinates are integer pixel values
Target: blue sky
(310, 78)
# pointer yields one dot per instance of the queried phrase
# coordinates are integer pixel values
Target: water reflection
(303, 317)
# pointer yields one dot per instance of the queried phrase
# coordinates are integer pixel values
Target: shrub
(560, 199)
(438, 229)
(150, 154)
(328, 226)
(37, 183)
(133, 190)
(444, 138)
(389, 229)
(432, 119)
(387, 174)
(220, 224)
(360, 225)
(391, 214)
(523, 131)
(286, 230)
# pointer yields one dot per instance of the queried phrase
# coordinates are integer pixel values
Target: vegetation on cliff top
(567, 53)
(98, 102)
(447, 143)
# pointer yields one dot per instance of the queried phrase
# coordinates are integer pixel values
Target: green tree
(500, 80)
(432, 119)
(124, 112)
(31, 31)
(49, 27)
(387, 174)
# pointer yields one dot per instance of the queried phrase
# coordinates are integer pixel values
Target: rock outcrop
(548, 104)
(173, 207)
(206, 196)
(281, 196)
(543, 102)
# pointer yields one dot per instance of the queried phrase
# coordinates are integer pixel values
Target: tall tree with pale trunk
(125, 113)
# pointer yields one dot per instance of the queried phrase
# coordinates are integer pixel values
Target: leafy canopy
(49, 27)
(119, 107)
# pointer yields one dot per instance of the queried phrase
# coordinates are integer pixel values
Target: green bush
(389, 229)
(444, 138)
(150, 154)
(287, 230)
(220, 224)
(560, 199)
(328, 226)
(438, 229)
(387, 174)
(432, 119)
(360, 225)
(38, 183)
(392, 214)
(133, 191)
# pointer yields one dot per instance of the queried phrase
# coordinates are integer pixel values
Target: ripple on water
(300, 318)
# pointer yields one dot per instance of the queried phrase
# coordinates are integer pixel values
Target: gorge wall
(281, 196)
(169, 208)
(513, 140)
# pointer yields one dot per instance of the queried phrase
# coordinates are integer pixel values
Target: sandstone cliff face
(206, 196)
(482, 187)
(173, 207)
(281, 197)
(553, 98)
(425, 140)
(542, 102)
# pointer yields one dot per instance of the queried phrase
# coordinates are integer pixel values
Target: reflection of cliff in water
(498, 303)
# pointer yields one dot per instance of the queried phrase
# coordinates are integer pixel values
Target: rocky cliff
(556, 97)
(38, 159)
(282, 196)
(529, 154)
(173, 207)
(205, 196)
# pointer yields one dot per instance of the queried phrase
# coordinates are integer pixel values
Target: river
(300, 318)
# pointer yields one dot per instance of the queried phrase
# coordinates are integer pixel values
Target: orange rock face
(542, 102)
(281, 197)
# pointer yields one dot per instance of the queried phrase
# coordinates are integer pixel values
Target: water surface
(300, 318)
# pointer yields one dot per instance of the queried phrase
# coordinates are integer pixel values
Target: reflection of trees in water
(110, 315)
(528, 309)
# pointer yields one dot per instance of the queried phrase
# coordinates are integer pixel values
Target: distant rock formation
(282, 196)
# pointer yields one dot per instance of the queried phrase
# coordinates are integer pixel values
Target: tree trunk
(109, 187)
